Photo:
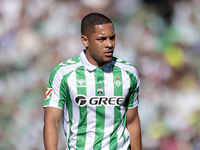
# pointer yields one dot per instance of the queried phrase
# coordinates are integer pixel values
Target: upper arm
(52, 114)
(133, 126)
(132, 115)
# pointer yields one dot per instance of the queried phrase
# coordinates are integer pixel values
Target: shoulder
(67, 66)
(124, 65)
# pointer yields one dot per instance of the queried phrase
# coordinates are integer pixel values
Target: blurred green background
(160, 38)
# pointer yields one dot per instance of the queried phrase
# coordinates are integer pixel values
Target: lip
(108, 53)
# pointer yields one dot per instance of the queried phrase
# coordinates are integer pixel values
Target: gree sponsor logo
(82, 100)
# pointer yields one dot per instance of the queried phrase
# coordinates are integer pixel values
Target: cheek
(114, 43)
(98, 49)
(98, 52)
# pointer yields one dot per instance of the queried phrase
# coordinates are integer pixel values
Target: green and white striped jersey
(94, 102)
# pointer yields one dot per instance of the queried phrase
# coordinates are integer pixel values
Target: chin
(108, 60)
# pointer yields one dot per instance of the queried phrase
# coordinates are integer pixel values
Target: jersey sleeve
(55, 93)
(132, 98)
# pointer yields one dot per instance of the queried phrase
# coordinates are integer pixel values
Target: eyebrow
(113, 36)
(101, 36)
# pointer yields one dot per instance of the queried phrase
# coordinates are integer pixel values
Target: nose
(109, 43)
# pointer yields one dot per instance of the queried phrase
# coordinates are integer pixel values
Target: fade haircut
(88, 22)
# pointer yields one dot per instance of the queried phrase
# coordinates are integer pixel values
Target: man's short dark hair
(89, 21)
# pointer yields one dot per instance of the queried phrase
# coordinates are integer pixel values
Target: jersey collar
(91, 67)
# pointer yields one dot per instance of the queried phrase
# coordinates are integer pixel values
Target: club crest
(117, 81)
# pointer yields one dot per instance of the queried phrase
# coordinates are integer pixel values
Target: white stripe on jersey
(126, 85)
(91, 117)
(56, 86)
(120, 131)
(109, 110)
(127, 142)
(75, 113)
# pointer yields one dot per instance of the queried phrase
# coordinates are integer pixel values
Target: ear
(84, 40)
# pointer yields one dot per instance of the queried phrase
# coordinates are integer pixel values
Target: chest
(100, 88)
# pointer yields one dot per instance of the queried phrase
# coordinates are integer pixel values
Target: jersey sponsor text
(82, 100)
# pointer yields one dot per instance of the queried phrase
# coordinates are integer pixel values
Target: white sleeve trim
(52, 106)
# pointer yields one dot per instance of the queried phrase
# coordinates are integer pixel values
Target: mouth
(108, 53)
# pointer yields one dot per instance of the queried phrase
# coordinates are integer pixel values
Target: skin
(100, 44)
(99, 50)
(50, 132)
(133, 126)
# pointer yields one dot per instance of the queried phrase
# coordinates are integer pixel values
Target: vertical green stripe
(62, 92)
(82, 125)
(68, 103)
(100, 110)
(118, 91)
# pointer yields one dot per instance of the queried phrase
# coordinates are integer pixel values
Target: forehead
(104, 29)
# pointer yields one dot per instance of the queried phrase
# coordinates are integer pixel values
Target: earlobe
(84, 40)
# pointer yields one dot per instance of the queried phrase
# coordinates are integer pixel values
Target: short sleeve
(55, 93)
(132, 98)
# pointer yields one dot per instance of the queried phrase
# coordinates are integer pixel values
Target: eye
(102, 39)
(112, 37)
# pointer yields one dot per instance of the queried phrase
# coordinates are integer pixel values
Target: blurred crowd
(160, 38)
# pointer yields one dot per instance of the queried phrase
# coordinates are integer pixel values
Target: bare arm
(50, 131)
(133, 126)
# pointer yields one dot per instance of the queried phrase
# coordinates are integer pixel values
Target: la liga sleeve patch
(48, 93)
